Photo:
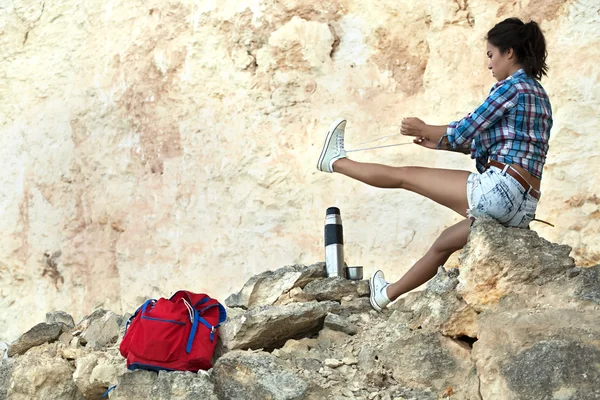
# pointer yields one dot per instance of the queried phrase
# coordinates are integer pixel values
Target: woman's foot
(378, 285)
(333, 148)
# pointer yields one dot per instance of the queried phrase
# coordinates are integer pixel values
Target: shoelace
(340, 142)
(376, 147)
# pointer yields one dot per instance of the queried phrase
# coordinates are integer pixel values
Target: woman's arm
(429, 136)
(458, 135)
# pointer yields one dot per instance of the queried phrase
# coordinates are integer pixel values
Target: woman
(507, 135)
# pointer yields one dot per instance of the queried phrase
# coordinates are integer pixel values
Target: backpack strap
(141, 308)
(199, 319)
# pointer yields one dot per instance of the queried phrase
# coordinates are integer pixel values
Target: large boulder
(40, 375)
(241, 375)
(439, 308)
(38, 335)
(543, 353)
(172, 385)
(498, 260)
(269, 327)
(96, 372)
(101, 329)
(267, 287)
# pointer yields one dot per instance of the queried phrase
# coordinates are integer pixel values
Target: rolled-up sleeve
(460, 134)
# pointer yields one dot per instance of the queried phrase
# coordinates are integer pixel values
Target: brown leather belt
(513, 172)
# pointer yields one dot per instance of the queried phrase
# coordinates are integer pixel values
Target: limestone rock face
(39, 375)
(153, 146)
(243, 375)
(96, 372)
(266, 288)
(542, 353)
(139, 385)
(271, 326)
(499, 260)
(439, 307)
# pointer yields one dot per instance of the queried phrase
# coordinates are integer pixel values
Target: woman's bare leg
(444, 186)
(452, 239)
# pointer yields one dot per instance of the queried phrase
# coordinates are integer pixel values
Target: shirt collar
(520, 72)
(517, 74)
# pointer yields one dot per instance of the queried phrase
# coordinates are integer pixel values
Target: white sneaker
(333, 148)
(378, 285)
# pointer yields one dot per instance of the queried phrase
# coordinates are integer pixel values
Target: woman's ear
(510, 53)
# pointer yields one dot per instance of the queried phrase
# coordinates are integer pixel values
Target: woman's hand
(413, 127)
(423, 141)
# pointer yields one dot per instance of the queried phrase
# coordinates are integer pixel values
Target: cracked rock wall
(158, 145)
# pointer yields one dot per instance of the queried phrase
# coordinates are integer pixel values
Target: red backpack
(178, 334)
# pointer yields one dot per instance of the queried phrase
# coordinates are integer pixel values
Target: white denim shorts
(499, 195)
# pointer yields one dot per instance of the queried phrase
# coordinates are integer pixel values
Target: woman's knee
(453, 238)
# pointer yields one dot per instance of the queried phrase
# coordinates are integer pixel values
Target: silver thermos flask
(334, 243)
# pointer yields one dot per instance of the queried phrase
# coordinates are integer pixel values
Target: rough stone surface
(102, 331)
(439, 308)
(426, 359)
(537, 354)
(96, 372)
(266, 288)
(538, 340)
(113, 162)
(40, 375)
(498, 260)
(183, 385)
(134, 385)
(271, 326)
(3, 350)
(332, 288)
(6, 369)
(337, 323)
(56, 317)
(39, 334)
(140, 385)
(245, 375)
(588, 284)
(555, 369)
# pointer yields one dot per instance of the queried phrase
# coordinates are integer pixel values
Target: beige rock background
(158, 145)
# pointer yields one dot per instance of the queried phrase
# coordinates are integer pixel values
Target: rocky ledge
(517, 320)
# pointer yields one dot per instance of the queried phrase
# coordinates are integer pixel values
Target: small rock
(349, 360)
(338, 323)
(102, 331)
(573, 272)
(363, 289)
(69, 353)
(347, 392)
(65, 338)
(308, 364)
(56, 317)
(332, 362)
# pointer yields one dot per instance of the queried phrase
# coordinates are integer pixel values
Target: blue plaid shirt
(512, 126)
